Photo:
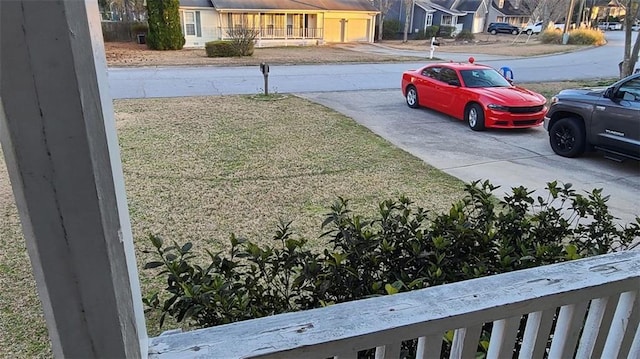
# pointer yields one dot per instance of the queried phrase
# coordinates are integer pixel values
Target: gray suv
(607, 120)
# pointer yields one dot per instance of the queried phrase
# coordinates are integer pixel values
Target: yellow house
(279, 22)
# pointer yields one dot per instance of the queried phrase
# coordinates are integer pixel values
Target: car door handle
(600, 108)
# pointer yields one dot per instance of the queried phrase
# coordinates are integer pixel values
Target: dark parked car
(503, 27)
(603, 119)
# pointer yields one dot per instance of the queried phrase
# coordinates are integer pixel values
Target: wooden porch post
(59, 140)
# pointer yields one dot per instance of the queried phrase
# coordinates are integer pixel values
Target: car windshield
(483, 78)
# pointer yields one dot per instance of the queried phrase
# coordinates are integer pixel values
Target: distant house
(603, 10)
(461, 14)
(509, 12)
(281, 22)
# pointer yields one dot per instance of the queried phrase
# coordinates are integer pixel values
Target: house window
(500, 4)
(239, 20)
(191, 21)
(428, 20)
(447, 20)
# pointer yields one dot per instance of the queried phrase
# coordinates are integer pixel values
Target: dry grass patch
(198, 169)
(131, 54)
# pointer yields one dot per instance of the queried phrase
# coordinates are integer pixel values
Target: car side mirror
(609, 93)
(453, 82)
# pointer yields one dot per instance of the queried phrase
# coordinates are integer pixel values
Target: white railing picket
(465, 342)
(605, 325)
(503, 338)
(536, 334)
(627, 316)
(429, 347)
(389, 351)
(593, 325)
(568, 326)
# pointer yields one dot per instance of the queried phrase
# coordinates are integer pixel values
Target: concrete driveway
(506, 157)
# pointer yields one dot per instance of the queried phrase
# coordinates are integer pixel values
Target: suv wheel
(567, 137)
(493, 32)
(514, 32)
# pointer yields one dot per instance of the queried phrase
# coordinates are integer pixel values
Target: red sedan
(477, 94)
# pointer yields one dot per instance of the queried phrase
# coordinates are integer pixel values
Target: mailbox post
(265, 72)
(434, 45)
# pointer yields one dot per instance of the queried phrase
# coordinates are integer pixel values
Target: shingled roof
(345, 5)
(469, 5)
(196, 3)
(509, 9)
(461, 8)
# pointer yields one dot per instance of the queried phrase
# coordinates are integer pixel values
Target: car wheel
(514, 32)
(567, 137)
(475, 117)
(412, 97)
(493, 32)
(529, 32)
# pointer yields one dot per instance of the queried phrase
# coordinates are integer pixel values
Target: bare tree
(545, 10)
(383, 6)
(408, 9)
(242, 39)
(632, 8)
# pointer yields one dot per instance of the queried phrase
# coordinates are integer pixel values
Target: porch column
(58, 137)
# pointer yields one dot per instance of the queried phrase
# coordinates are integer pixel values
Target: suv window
(630, 90)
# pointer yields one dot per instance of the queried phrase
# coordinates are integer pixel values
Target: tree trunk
(408, 4)
(630, 55)
(380, 26)
(405, 38)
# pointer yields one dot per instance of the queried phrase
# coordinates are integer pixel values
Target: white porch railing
(587, 308)
(288, 32)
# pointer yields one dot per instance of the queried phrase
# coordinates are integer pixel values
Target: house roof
(459, 8)
(447, 4)
(345, 5)
(509, 9)
(196, 3)
(439, 5)
(469, 5)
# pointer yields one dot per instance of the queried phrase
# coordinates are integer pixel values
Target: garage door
(357, 30)
(332, 30)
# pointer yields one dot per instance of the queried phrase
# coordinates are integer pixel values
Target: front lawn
(197, 169)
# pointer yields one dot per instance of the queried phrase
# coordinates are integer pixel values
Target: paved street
(180, 81)
(369, 93)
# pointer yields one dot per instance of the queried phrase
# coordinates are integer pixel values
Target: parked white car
(536, 28)
(610, 26)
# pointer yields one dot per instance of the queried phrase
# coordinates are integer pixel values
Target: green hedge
(428, 33)
(446, 31)
(221, 48)
(401, 249)
(390, 29)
